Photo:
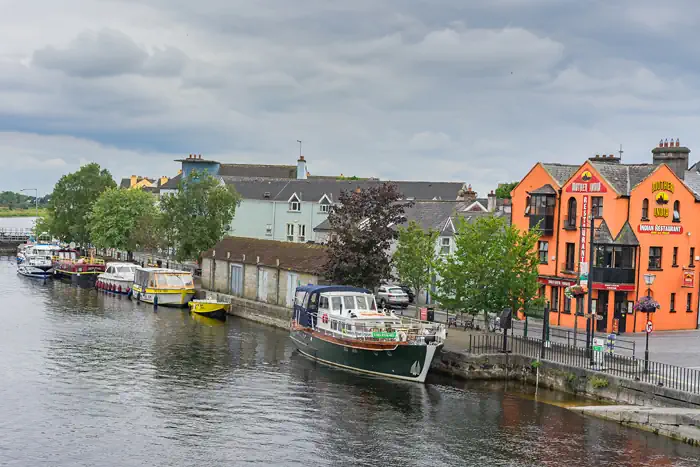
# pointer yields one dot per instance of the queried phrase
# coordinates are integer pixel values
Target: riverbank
(4, 212)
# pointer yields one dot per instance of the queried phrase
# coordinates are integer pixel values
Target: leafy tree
(122, 219)
(494, 267)
(362, 234)
(504, 189)
(199, 214)
(72, 200)
(415, 255)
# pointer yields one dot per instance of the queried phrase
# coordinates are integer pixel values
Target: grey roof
(602, 234)
(126, 182)
(623, 177)
(258, 171)
(433, 214)
(314, 189)
(625, 236)
(324, 226)
(172, 183)
(560, 172)
(692, 180)
(544, 190)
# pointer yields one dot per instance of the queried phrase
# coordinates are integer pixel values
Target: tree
(494, 266)
(504, 189)
(358, 251)
(72, 201)
(199, 214)
(415, 255)
(122, 219)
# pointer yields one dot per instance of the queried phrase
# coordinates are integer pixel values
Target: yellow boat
(163, 287)
(209, 308)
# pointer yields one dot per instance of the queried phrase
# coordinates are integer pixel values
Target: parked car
(409, 292)
(390, 296)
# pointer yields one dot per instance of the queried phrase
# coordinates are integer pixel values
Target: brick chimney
(466, 194)
(610, 159)
(301, 168)
(672, 154)
(133, 181)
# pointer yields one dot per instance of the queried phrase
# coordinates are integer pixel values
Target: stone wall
(265, 313)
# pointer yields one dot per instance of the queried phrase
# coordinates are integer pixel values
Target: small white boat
(38, 261)
(117, 278)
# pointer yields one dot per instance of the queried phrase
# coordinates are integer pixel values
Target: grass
(4, 212)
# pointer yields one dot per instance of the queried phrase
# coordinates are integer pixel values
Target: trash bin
(431, 314)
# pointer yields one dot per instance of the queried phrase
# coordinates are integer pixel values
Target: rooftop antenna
(620, 152)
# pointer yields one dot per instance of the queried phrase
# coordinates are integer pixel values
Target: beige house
(264, 270)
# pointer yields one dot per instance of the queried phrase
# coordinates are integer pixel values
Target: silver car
(389, 296)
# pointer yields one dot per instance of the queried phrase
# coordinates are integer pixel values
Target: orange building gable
(644, 217)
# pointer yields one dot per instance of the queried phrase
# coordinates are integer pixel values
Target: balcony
(569, 223)
(613, 275)
(546, 224)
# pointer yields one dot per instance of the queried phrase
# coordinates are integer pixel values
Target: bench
(460, 322)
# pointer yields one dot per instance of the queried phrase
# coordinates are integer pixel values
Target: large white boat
(117, 278)
(38, 261)
(341, 326)
(161, 286)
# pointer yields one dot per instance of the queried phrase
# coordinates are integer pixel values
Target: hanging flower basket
(574, 291)
(646, 305)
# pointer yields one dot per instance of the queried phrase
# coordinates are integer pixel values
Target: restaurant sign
(688, 278)
(586, 182)
(616, 287)
(660, 229)
(556, 282)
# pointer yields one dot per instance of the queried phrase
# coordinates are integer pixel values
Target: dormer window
(294, 203)
(324, 204)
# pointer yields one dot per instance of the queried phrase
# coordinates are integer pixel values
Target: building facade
(644, 218)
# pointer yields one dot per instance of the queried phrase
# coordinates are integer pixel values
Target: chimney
(301, 168)
(491, 202)
(611, 158)
(672, 154)
(133, 181)
(466, 194)
(164, 180)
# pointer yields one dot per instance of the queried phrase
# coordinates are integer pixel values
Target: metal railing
(12, 235)
(621, 366)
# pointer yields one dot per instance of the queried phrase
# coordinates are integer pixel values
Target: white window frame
(324, 204)
(268, 230)
(301, 233)
(290, 232)
(445, 242)
(294, 203)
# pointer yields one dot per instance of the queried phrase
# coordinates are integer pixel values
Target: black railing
(613, 275)
(658, 374)
(544, 224)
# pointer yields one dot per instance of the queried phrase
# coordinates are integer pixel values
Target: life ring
(324, 318)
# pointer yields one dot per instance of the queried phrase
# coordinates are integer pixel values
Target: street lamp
(649, 281)
(36, 198)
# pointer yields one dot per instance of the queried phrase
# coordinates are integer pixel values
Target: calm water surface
(94, 380)
(17, 222)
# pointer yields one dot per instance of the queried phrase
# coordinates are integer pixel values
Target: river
(17, 222)
(88, 379)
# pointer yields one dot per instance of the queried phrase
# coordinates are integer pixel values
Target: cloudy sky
(474, 91)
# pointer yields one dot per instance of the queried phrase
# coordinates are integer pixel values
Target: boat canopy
(307, 298)
(162, 278)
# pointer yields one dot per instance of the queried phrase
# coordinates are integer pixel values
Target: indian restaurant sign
(586, 182)
(660, 229)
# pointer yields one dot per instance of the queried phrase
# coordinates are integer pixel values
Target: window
(689, 302)
(302, 233)
(691, 263)
(673, 303)
(294, 203)
(597, 206)
(290, 232)
(675, 257)
(542, 205)
(555, 298)
(571, 213)
(268, 229)
(527, 206)
(677, 211)
(567, 305)
(570, 256)
(544, 252)
(325, 207)
(337, 304)
(541, 291)
(609, 256)
(645, 209)
(349, 302)
(654, 257)
(445, 246)
(323, 303)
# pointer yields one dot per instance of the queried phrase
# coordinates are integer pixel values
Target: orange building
(644, 219)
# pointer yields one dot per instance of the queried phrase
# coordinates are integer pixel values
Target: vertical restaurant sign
(688, 278)
(584, 224)
(586, 183)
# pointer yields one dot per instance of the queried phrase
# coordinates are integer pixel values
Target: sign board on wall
(584, 223)
(688, 278)
(556, 282)
(616, 287)
(586, 182)
(660, 229)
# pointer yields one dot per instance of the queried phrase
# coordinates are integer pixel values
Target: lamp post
(36, 198)
(649, 281)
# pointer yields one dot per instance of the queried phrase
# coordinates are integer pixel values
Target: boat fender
(402, 336)
(119, 289)
(155, 301)
(138, 297)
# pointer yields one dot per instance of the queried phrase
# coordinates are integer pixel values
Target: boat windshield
(356, 302)
(174, 280)
(125, 269)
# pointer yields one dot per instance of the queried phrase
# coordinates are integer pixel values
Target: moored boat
(161, 286)
(37, 261)
(79, 270)
(341, 326)
(209, 308)
(117, 278)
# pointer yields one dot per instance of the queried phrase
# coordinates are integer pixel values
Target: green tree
(362, 234)
(72, 200)
(415, 256)
(494, 267)
(120, 218)
(504, 189)
(198, 215)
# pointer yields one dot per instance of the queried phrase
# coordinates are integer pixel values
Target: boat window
(337, 304)
(313, 301)
(169, 280)
(187, 280)
(324, 303)
(373, 304)
(349, 302)
(299, 298)
(361, 302)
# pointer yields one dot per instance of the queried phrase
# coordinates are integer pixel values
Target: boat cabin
(67, 255)
(162, 278)
(120, 269)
